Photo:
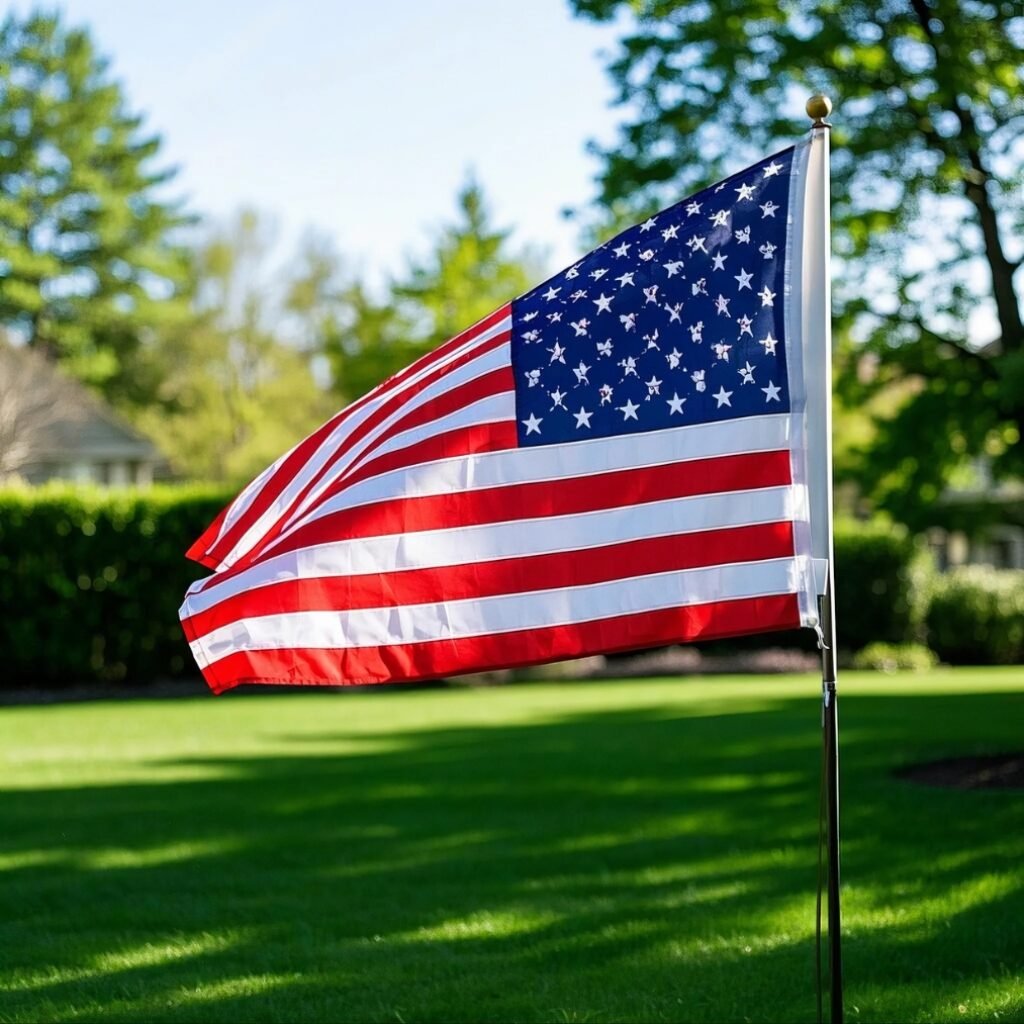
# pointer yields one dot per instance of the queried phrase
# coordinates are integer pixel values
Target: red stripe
(504, 575)
(569, 496)
(419, 661)
(214, 551)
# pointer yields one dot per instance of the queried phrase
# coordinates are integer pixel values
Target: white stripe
(373, 627)
(562, 462)
(282, 503)
(521, 538)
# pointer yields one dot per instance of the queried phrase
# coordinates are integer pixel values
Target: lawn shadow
(643, 865)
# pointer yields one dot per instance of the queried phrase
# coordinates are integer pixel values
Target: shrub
(91, 581)
(977, 616)
(896, 658)
(883, 584)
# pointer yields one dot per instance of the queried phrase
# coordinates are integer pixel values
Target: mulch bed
(998, 771)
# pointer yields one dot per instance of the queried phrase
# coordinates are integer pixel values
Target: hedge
(884, 579)
(976, 616)
(91, 581)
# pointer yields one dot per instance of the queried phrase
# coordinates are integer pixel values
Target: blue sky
(362, 119)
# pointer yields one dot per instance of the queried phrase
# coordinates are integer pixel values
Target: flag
(614, 460)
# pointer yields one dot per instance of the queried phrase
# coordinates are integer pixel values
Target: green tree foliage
(468, 272)
(928, 196)
(88, 264)
(234, 392)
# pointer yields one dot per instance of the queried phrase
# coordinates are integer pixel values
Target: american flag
(611, 461)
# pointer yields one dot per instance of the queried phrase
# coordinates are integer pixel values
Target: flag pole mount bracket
(818, 108)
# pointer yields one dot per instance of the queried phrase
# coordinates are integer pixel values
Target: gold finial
(818, 108)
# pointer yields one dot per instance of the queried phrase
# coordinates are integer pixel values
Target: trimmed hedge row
(91, 581)
(883, 583)
(976, 617)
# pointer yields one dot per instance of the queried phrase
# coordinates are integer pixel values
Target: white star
(555, 317)
(766, 296)
(772, 169)
(673, 267)
(674, 313)
(532, 424)
(651, 294)
(603, 303)
(653, 386)
(647, 254)
(767, 250)
(598, 274)
(674, 358)
(745, 324)
(557, 353)
(605, 391)
(722, 305)
(747, 373)
(604, 348)
(581, 373)
(769, 344)
(621, 250)
(745, 192)
(697, 242)
(551, 293)
(675, 404)
(692, 208)
(771, 392)
(582, 418)
(722, 350)
(529, 317)
(721, 219)
(768, 210)
(580, 293)
(647, 224)
(580, 327)
(719, 261)
(670, 232)
(743, 235)
(556, 397)
(572, 272)
(624, 279)
(628, 411)
(744, 279)
(629, 365)
(722, 398)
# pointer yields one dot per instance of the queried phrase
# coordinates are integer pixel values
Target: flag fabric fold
(614, 460)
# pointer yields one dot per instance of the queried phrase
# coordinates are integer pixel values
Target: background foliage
(928, 205)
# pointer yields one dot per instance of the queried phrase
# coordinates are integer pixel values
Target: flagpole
(817, 320)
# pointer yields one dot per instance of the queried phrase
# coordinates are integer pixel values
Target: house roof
(78, 424)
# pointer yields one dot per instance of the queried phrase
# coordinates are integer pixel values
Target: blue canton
(677, 320)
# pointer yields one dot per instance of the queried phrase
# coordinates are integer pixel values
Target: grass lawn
(639, 851)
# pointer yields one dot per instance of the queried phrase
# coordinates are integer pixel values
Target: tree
(468, 272)
(233, 393)
(88, 258)
(928, 206)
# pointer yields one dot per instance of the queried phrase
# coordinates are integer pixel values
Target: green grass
(583, 852)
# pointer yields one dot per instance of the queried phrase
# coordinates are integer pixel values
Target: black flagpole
(830, 738)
